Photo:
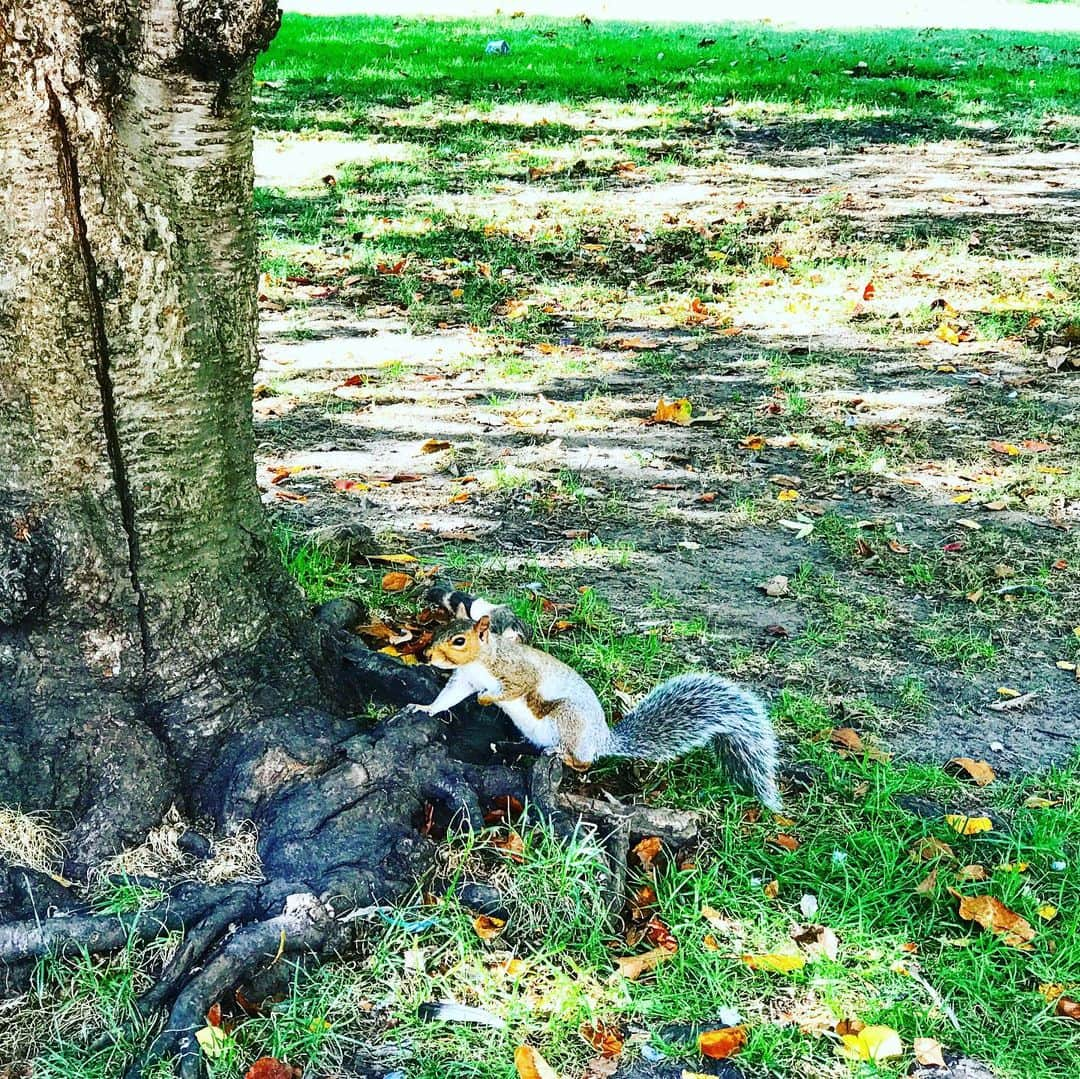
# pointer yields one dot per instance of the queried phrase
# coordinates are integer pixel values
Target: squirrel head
(459, 642)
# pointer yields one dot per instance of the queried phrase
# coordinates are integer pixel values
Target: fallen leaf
(393, 559)
(928, 1053)
(753, 442)
(607, 1040)
(992, 914)
(788, 842)
(1047, 912)
(776, 586)
(647, 850)
(871, 1043)
(1004, 447)
(213, 1041)
(972, 872)
(868, 291)
(512, 845)
(396, 581)
(787, 495)
(978, 771)
(1034, 801)
(659, 935)
(433, 445)
(488, 927)
(721, 1044)
(677, 412)
(816, 941)
(1067, 1008)
(390, 269)
(771, 889)
(778, 262)
(775, 961)
(632, 967)
(948, 333)
(531, 1065)
(847, 738)
(968, 825)
(710, 943)
(1034, 446)
(928, 883)
(930, 847)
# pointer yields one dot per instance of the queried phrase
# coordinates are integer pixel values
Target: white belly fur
(541, 732)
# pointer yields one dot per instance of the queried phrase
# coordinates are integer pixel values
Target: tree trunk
(151, 648)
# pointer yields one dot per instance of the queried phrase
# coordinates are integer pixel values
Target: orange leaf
(531, 1065)
(488, 927)
(677, 412)
(788, 842)
(213, 1016)
(978, 771)
(433, 445)
(721, 1044)
(992, 914)
(632, 967)
(1068, 1008)
(847, 738)
(390, 269)
(658, 935)
(647, 851)
(605, 1039)
(396, 582)
(511, 845)
(270, 1068)
(868, 291)
(778, 262)
(1004, 447)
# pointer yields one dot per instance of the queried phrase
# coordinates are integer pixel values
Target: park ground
(848, 260)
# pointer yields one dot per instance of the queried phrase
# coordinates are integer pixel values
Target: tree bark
(140, 607)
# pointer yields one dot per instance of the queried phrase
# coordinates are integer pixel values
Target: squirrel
(557, 710)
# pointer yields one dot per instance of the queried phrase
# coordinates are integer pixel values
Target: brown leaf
(434, 445)
(271, 1068)
(992, 914)
(511, 845)
(396, 581)
(978, 771)
(647, 851)
(847, 738)
(816, 940)
(927, 884)
(390, 269)
(632, 967)
(972, 872)
(928, 1053)
(606, 1039)
(931, 847)
(778, 262)
(531, 1065)
(1068, 1008)
(213, 1015)
(406, 477)
(659, 935)
(721, 1044)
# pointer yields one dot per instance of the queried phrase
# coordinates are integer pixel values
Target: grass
(613, 213)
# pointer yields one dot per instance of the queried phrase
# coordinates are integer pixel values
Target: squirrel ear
(482, 627)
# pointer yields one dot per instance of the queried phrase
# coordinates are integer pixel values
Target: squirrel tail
(693, 710)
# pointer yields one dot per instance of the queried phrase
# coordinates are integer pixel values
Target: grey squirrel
(557, 710)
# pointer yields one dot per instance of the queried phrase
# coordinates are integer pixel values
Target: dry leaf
(968, 825)
(776, 586)
(721, 1044)
(607, 1040)
(396, 581)
(787, 495)
(817, 941)
(972, 872)
(871, 1043)
(677, 412)
(512, 845)
(659, 935)
(979, 771)
(847, 738)
(647, 850)
(1068, 1008)
(531, 1065)
(931, 847)
(868, 291)
(778, 262)
(787, 842)
(393, 559)
(632, 967)
(488, 927)
(927, 884)
(928, 1053)
(771, 889)
(1004, 447)
(774, 961)
(1047, 912)
(212, 1040)
(433, 445)
(992, 914)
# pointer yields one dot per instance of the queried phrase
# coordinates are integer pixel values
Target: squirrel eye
(458, 642)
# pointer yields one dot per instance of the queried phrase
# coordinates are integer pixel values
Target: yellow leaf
(871, 1043)
(677, 412)
(787, 495)
(968, 825)
(774, 961)
(961, 499)
(319, 1025)
(531, 1065)
(1047, 912)
(213, 1041)
(946, 333)
(393, 559)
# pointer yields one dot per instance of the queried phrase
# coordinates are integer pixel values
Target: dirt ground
(676, 523)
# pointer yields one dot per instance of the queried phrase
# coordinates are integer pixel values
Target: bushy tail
(692, 710)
